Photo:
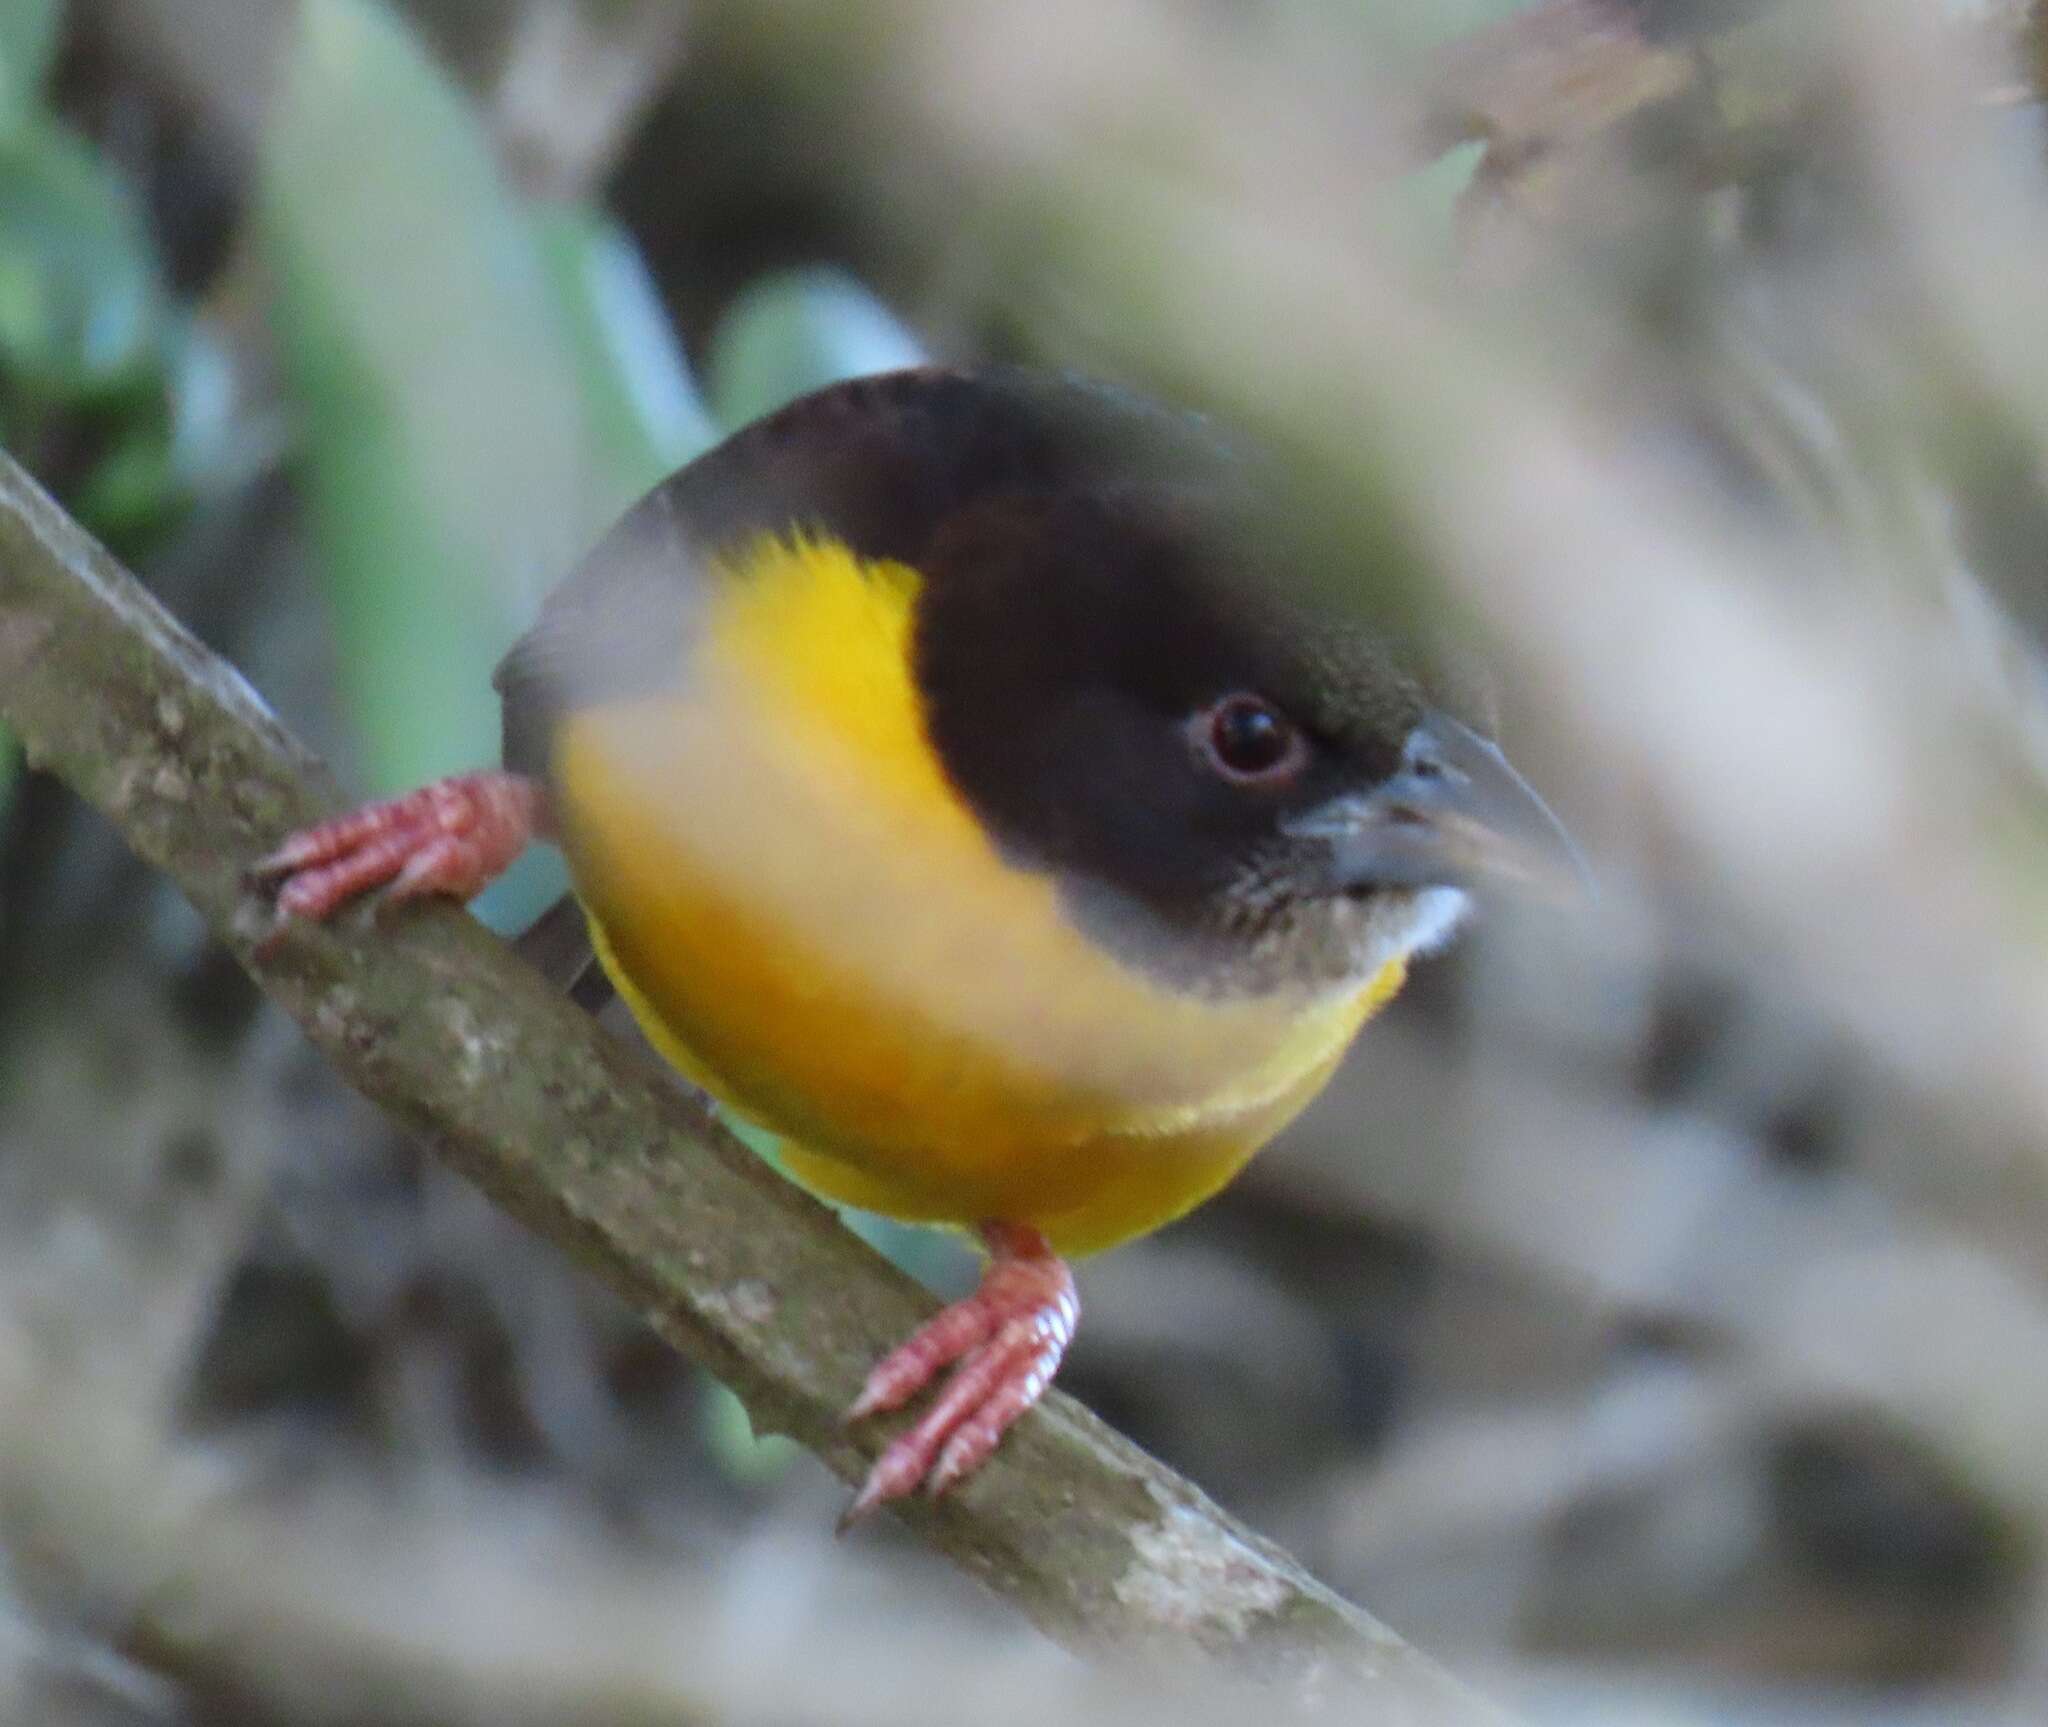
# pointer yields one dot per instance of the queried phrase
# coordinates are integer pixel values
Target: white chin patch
(1433, 917)
(1406, 925)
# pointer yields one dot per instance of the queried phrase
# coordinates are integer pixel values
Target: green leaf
(456, 461)
(645, 410)
(795, 331)
(133, 491)
(742, 1455)
(80, 309)
(28, 44)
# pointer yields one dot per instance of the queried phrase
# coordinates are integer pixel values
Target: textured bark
(571, 1132)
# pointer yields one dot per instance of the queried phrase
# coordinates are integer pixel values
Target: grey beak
(1455, 814)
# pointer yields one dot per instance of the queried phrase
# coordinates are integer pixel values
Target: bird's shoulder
(882, 464)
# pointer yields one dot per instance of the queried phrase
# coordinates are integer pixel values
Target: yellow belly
(807, 922)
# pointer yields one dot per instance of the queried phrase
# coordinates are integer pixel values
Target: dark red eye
(1247, 738)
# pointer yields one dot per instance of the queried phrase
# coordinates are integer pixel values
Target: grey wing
(616, 627)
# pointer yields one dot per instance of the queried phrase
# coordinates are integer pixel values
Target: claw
(1004, 1343)
(451, 837)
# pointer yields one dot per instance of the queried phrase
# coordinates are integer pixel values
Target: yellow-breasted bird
(949, 789)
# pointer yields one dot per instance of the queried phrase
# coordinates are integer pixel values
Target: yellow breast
(807, 920)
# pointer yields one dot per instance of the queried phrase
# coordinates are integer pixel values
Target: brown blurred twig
(1548, 75)
(1096, 1543)
(1561, 73)
(571, 84)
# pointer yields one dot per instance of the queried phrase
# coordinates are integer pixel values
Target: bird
(954, 782)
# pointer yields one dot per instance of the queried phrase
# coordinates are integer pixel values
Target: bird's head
(1240, 786)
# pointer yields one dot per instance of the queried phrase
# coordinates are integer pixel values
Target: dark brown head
(1241, 787)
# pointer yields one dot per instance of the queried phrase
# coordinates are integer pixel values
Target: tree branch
(572, 1133)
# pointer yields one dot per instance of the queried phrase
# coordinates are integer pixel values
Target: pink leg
(451, 837)
(1007, 1339)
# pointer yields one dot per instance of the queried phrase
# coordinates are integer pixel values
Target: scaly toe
(1006, 1339)
(449, 838)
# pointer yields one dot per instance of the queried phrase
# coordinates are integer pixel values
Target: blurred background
(1651, 1323)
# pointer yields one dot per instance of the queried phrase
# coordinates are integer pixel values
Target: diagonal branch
(565, 1128)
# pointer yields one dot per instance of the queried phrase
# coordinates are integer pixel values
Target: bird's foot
(451, 838)
(1004, 1343)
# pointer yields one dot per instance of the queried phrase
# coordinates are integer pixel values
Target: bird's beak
(1455, 814)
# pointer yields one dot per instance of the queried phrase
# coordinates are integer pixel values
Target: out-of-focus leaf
(10, 767)
(744, 1456)
(645, 411)
(206, 437)
(166, 445)
(28, 43)
(453, 459)
(484, 387)
(795, 331)
(1426, 201)
(100, 373)
(133, 490)
(80, 309)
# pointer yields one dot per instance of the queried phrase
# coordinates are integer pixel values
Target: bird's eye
(1246, 738)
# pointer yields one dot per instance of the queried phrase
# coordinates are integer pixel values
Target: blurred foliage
(646, 414)
(796, 331)
(1429, 196)
(80, 307)
(108, 391)
(471, 413)
(746, 1457)
(28, 44)
(466, 426)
